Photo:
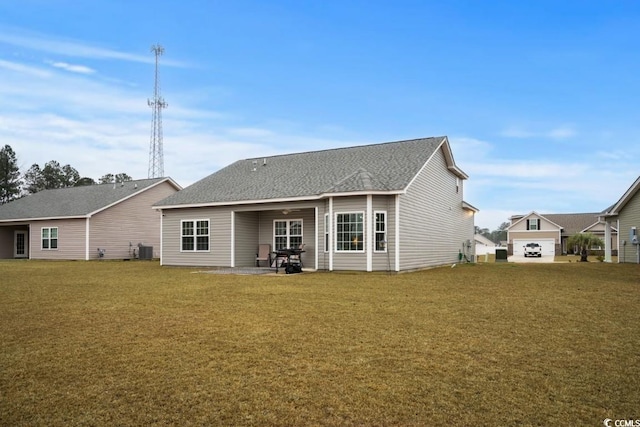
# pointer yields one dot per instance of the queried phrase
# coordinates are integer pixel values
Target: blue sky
(539, 99)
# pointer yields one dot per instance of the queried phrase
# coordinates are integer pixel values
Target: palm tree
(584, 241)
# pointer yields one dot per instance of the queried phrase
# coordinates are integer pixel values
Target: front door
(20, 244)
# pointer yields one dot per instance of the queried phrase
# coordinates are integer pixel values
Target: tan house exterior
(107, 221)
(554, 230)
(395, 206)
(624, 216)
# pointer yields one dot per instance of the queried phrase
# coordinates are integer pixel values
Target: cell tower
(156, 158)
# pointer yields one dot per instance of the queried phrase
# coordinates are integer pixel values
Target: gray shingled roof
(571, 223)
(72, 201)
(378, 167)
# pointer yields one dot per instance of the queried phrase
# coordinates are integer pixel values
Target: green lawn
(133, 343)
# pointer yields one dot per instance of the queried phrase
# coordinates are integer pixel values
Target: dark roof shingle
(378, 167)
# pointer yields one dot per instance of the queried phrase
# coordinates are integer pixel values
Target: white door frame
(25, 244)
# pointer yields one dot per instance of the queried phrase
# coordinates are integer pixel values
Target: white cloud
(72, 48)
(558, 133)
(81, 69)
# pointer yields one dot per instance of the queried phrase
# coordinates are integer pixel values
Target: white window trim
(364, 232)
(49, 239)
(288, 221)
(375, 233)
(195, 235)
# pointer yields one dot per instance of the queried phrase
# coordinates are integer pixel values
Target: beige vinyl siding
(545, 225)
(71, 239)
(246, 238)
(385, 261)
(219, 253)
(120, 228)
(433, 224)
(349, 260)
(514, 235)
(629, 217)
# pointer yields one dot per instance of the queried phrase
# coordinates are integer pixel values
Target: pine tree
(10, 182)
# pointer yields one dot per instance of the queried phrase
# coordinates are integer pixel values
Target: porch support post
(232, 237)
(86, 239)
(397, 234)
(315, 210)
(330, 234)
(607, 240)
(368, 222)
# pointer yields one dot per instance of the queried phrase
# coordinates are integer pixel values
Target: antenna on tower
(156, 158)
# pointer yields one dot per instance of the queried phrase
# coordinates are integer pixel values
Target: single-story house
(552, 231)
(483, 245)
(82, 223)
(624, 216)
(394, 206)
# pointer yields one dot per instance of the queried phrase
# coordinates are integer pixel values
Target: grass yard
(133, 343)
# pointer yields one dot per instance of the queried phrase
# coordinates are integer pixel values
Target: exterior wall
(253, 224)
(120, 228)
(548, 230)
(71, 239)
(309, 234)
(247, 225)
(433, 225)
(629, 217)
(219, 254)
(385, 261)
(7, 242)
(349, 260)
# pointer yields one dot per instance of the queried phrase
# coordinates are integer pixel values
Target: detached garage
(548, 246)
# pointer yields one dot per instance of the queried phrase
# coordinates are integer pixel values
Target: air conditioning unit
(145, 252)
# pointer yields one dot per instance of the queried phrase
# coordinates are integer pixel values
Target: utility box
(145, 252)
(501, 255)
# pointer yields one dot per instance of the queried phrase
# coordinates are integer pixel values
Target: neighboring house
(80, 223)
(483, 245)
(624, 216)
(552, 231)
(393, 206)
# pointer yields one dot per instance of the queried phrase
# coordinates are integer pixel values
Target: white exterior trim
(86, 239)
(369, 233)
(397, 232)
(232, 238)
(330, 233)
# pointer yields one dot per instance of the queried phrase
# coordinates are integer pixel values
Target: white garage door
(548, 246)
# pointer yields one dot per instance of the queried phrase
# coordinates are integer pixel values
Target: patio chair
(264, 254)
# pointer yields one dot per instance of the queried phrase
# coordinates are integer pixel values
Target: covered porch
(14, 240)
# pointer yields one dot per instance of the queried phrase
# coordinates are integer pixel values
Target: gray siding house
(393, 206)
(80, 223)
(624, 216)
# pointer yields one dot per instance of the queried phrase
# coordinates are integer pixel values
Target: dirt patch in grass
(114, 343)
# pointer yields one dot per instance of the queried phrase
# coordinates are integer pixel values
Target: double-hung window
(287, 233)
(381, 232)
(194, 235)
(350, 232)
(533, 224)
(50, 238)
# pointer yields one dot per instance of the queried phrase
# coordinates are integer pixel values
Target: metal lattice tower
(156, 158)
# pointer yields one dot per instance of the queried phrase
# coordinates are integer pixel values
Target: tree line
(496, 236)
(14, 184)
